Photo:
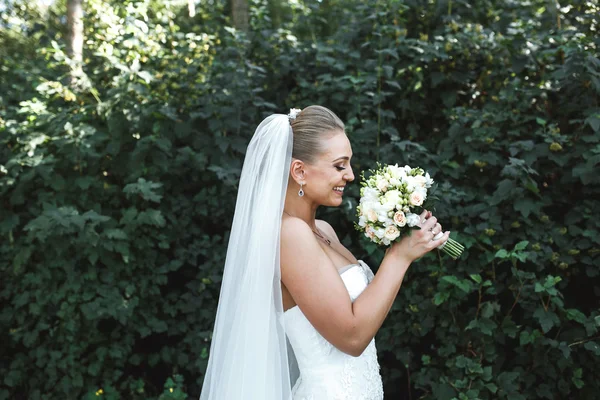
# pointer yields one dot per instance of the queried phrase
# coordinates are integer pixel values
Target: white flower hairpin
(293, 113)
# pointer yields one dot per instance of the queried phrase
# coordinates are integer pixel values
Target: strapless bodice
(325, 372)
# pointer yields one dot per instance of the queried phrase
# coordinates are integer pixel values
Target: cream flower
(420, 180)
(416, 198)
(382, 184)
(369, 232)
(391, 232)
(372, 215)
(400, 219)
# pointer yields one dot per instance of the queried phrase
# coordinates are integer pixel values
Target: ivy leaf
(506, 381)
(547, 319)
(146, 189)
(443, 391)
(594, 121)
(440, 297)
(521, 245)
(593, 347)
(576, 315)
(116, 234)
(151, 217)
(525, 206)
(463, 285)
(502, 254)
(543, 390)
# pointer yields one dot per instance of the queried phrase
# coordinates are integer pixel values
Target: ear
(297, 171)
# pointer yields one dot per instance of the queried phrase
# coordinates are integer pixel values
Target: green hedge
(116, 197)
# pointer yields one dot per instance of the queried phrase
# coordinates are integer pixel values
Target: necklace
(318, 234)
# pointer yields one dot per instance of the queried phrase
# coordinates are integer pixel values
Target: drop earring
(301, 192)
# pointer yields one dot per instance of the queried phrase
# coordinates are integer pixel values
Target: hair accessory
(293, 113)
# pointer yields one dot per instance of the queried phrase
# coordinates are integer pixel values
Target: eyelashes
(340, 168)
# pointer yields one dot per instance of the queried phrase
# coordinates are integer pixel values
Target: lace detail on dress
(326, 373)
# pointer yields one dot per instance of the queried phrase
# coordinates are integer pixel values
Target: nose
(350, 175)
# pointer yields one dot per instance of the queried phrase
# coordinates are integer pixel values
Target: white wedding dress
(326, 373)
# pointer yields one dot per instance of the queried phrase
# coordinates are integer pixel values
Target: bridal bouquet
(392, 198)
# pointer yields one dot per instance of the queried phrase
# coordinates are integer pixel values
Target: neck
(300, 207)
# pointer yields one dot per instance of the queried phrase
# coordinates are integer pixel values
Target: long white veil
(248, 355)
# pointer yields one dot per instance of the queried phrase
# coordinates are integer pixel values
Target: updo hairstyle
(309, 128)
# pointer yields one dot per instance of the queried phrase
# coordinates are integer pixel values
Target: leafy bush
(117, 196)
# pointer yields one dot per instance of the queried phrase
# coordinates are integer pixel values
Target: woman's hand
(419, 242)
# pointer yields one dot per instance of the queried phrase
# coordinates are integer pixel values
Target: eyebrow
(341, 158)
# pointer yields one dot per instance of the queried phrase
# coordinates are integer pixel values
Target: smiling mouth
(339, 189)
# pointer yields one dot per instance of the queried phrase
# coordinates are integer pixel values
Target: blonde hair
(309, 128)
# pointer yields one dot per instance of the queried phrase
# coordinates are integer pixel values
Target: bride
(298, 313)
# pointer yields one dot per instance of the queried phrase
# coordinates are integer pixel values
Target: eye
(339, 168)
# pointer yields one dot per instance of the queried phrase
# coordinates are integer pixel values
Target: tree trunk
(192, 8)
(75, 37)
(239, 11)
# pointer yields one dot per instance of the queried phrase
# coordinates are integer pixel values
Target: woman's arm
(314, 283)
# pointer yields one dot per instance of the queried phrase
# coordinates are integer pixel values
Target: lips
(339, 189)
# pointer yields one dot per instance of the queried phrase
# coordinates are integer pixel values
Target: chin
(335, 202)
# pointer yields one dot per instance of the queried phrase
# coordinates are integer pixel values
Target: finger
(444, 238)
(429, 224)
(423, 217)
(437, 228)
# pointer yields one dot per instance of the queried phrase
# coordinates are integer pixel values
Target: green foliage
(117, 195)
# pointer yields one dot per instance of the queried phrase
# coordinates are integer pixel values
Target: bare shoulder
(328, 229)
(297, 237)
(294, 229)
(314, 284)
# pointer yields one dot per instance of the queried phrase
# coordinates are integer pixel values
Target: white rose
(379, 232)
(382, 216)
(411, 183)
(412, 219)
(396, 171)
(388, 206)
(400, 218)
(392, 197)
(362, 221)
(391, 232)
(394, 181)
(382, 184)
(370, 194)
(416, 198)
